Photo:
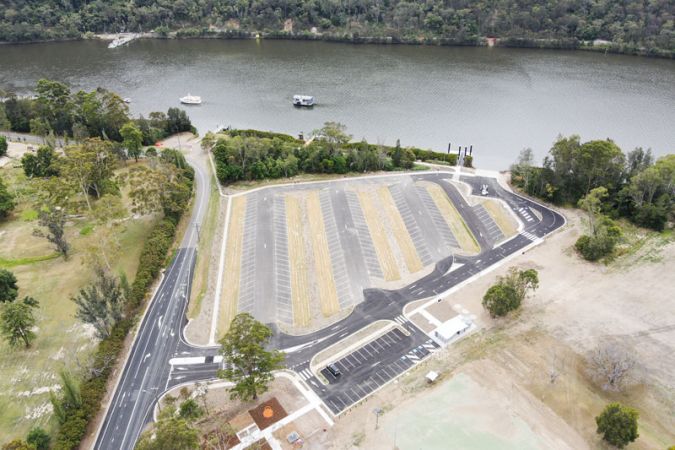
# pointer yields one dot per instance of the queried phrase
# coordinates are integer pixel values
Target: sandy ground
(502, 375)
(15, 151)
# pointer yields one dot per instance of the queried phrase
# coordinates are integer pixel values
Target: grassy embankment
(62, 341)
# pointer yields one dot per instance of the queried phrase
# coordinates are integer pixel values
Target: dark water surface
(499, 100)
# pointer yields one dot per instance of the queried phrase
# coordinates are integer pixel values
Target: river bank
(600, 46)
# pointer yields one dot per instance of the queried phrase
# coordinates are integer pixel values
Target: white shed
(452, 329)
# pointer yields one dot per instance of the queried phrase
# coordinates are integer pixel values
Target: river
(498, 100)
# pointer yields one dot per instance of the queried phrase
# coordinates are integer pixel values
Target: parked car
(334, 370)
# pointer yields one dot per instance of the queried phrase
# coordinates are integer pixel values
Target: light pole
(378, 412)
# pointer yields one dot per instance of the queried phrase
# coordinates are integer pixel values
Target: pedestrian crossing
(525, 214)
(530, 236)
(306, 374)
(430, 345)
(401, 320)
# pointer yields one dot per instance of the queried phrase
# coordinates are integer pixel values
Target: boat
(121, 40)
(303, 100)
(127, 100)
(191, 100)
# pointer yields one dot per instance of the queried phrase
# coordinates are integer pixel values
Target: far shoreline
(355, 39)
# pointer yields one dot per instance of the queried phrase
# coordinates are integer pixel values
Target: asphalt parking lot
(373, 365)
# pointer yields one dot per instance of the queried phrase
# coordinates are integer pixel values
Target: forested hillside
(632, 26)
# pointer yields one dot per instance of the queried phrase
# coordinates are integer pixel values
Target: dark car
(333, 369)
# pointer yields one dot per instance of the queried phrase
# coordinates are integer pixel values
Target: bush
(38, 438)
(3, 146)
(618, 424)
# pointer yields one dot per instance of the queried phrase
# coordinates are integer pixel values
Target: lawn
(26, 376)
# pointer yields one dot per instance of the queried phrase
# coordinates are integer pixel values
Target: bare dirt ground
(15, 152)
(512, 361)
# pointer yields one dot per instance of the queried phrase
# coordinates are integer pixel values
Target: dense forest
(630, 26)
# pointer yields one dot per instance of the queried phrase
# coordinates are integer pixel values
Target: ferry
(303, 100)
(191, 100)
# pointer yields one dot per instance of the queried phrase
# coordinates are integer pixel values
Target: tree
(89, 166)
(618, 424)
(38, 438)
(132, 139)
(592, 204)
(101, 304)
(3, 146)
(7, 202)
(248, 364)
(42, 164)
(611, 366)
(17, 321)
(510, 291)
(333, 133)
(169, 433)
(190, 410)
(69, 399)
(54, 219)
(8, 288)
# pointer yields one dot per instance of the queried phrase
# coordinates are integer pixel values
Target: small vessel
(121, 40)
(126, 100)
(303, 100)
(191, 100)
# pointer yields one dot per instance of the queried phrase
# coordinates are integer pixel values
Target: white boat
(127, 100)
(303, 100)
(191, 100)
(122, 40)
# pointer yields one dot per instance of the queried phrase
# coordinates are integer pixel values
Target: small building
(452, 329)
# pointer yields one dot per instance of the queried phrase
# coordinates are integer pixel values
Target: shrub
(38, 438)
(618, 424)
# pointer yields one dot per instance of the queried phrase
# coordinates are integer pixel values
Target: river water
(498, 100)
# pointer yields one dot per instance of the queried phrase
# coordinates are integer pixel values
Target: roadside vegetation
(245, 155)
(607, 184)
(85, 232)
(645, 28)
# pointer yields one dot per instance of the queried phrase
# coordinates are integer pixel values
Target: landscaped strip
(235, 237)
(300, 289)
(379, 235)
(501, 216)
(453, 218)
(322, 262)
(405, 243)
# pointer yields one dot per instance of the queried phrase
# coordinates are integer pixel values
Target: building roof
(451, 327)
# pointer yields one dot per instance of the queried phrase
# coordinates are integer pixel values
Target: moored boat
(303, 100)
(191, 100)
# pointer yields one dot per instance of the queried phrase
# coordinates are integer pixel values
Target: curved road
(147, 373)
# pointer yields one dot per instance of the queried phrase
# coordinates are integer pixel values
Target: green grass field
(26, 376)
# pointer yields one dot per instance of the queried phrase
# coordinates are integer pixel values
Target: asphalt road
(146, 374)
